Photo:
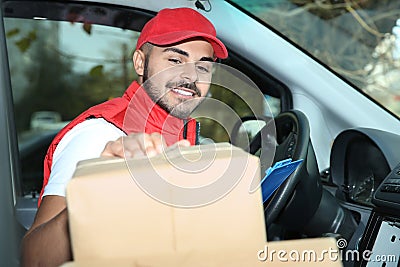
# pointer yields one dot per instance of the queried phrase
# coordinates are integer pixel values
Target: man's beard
(181, 110)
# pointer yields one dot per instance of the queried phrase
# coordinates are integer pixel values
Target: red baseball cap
(170, 26)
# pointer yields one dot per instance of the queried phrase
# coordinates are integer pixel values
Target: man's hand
(138, 145)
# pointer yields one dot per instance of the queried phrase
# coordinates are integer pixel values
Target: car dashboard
(365, 171)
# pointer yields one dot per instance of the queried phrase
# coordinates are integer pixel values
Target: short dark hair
(146, 48)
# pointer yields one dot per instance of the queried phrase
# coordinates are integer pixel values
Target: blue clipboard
(276, 175)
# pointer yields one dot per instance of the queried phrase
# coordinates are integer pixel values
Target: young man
(173, 61)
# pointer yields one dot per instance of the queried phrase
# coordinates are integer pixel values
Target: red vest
(134, 112)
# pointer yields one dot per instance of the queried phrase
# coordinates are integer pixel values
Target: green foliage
(96, 71)
(12, 32)
(87, 27)
(25, 42)
(53, 84)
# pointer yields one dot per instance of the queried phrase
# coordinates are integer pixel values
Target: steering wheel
(296, 200)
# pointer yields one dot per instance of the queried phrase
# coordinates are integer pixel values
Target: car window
(216, 123)
(62, 63)
(359, 40)
(59, 69)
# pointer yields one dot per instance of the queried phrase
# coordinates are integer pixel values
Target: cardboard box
(188, 207)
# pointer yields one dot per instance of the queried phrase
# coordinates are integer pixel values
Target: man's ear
(138, 62)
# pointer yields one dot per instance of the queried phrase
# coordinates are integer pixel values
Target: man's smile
(184, 92)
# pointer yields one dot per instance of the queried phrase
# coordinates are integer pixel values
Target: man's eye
(174, 60)
(203, 68)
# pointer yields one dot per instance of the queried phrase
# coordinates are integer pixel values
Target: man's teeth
(182, 92)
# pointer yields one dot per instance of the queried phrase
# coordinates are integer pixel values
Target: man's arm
(47, 242)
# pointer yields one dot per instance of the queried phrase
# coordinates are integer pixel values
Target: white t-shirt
(85, 141)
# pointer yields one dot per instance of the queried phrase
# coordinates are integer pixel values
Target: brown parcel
(122, 212)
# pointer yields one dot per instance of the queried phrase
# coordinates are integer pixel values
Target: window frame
(9, 189)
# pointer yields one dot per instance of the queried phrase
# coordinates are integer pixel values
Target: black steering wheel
(296, 200)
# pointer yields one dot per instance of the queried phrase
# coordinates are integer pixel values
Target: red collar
(143, 115)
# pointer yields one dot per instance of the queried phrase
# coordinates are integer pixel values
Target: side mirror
(246, 129)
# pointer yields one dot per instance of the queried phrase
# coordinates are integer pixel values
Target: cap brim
(220, 50)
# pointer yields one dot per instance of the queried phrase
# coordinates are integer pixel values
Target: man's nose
(189, 72)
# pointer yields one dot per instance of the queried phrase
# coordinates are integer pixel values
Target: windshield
(358, 39)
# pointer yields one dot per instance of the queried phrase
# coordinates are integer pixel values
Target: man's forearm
(48, 244)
